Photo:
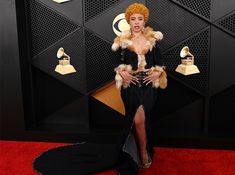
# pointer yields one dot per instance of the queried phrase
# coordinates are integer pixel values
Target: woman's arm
(157, 74)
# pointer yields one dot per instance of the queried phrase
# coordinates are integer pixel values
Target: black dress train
(88, 158)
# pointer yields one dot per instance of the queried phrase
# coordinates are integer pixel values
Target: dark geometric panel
(70, 118)
(93, 8)
(1, 98)
(74, 47)
(202, 7)
(221, 8)
(106, 124)
(185, 122)
(109, 118)
(222, 113)
(222, 61)
(50, 95)
(102, 24)
(11, 107)
(72, 10)
(100, 61)
(173, 98)
(175, 22)
(46, 25)
(199, 47)
(228, 23)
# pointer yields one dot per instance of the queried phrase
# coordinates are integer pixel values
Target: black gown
(88, 158)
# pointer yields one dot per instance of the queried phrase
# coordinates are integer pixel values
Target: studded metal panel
(202, 7)
(100, 61)
(93, 8)
(47, 26)
(228, 23)
(173, 21)
(199, 47)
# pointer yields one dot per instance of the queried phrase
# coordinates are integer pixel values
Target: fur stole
(123, 41)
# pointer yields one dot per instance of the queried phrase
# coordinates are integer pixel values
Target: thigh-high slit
(87, 158)
(134, 97)
(140, 133)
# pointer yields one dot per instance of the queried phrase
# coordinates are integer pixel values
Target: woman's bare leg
(141, 133)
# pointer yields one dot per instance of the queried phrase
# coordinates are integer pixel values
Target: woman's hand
(128, 78)
(152, 77)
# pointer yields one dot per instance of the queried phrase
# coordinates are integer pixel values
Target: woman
(138, 75)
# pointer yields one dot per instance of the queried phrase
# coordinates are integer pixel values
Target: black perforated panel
(46, 25)
(202, 7)
(48, 94)
(173, 21)
(92, 8)
(74, 47)
(228, 23)
(199, 47)
(203, 25)
(221, 117)
(100, 61)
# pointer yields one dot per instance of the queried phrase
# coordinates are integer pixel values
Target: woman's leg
(141, 134)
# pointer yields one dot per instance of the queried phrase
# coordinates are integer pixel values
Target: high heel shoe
(148, 164)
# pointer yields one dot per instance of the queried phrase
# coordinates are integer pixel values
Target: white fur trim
(123, 67)
(126, 43)
(118, 78)
(158, 35)
(115, 46)
(128, 67)
(118, 84)
(125, 32)
(158, 68)
(156, 84)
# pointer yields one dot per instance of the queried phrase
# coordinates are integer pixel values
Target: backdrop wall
(37, 103)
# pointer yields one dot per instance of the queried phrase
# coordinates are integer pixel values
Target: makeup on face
(136, 22)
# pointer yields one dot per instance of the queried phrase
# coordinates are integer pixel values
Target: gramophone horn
(64, 66)
(184, 52)
(187, 66)
(60, 52)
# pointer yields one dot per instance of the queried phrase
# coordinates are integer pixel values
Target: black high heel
(148, 164)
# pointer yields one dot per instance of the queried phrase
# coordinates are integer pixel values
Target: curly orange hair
(137, 8)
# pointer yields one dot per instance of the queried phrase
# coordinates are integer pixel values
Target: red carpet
(16, 159)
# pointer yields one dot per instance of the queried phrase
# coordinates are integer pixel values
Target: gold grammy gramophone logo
(187, 66)
(64, 66)
(120, 24)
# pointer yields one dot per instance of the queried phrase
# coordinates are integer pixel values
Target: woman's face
(136, 22)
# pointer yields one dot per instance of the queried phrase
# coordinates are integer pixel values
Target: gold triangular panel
(110, 96)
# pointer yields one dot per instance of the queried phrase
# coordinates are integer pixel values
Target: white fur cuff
(158, 68)
(115, 46)
(156, 83)
(118, 78)
(158, 35)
